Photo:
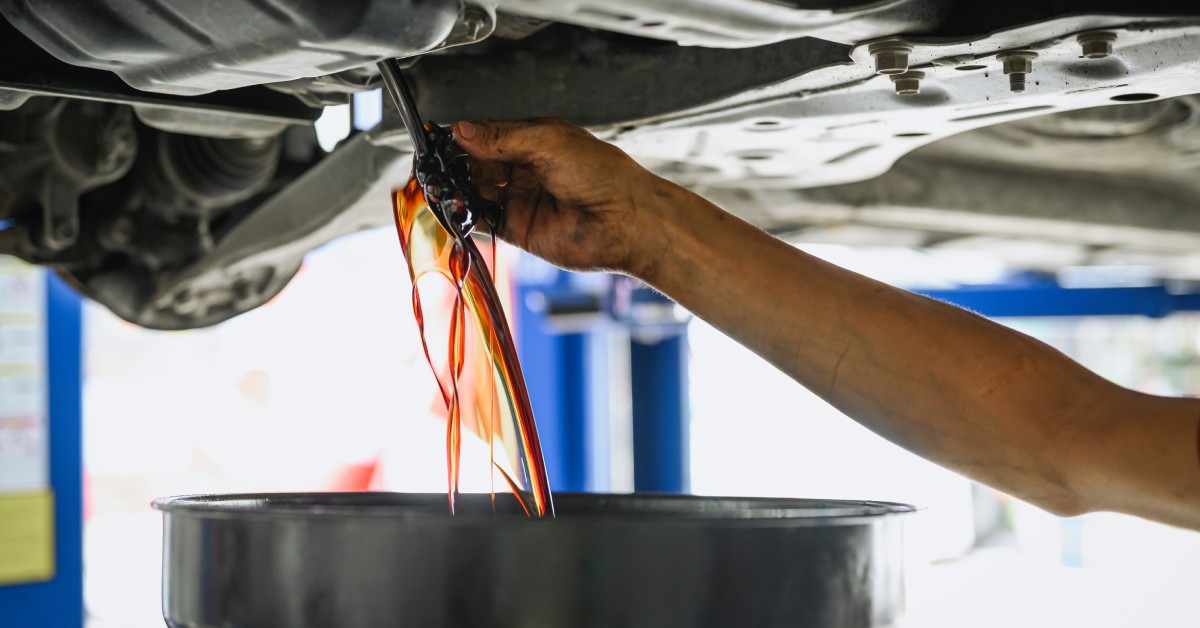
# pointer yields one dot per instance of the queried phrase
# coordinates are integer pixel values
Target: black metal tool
(441, 166)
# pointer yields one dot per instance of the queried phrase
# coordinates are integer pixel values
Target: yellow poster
(26, 537)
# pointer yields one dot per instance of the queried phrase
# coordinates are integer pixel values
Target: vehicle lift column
(566, 325)
(41, 483)
(659, 375)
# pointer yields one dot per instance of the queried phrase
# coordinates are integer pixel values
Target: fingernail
(466, 130)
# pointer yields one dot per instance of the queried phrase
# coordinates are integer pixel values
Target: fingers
(512, 141)
(519, 200)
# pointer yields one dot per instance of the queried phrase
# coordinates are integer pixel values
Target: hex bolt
(1017, 65)
(891, 56)
(1096, 45)
(909, 83)
(475, 19)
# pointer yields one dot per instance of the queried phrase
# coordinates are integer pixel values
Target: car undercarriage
(161, 156)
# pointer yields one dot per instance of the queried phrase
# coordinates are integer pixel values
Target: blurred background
(128, 179)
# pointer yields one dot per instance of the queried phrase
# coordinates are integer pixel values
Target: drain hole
(969, 68)
(1134, 97)
(911, 134)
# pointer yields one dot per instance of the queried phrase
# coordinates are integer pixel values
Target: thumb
(512, 141)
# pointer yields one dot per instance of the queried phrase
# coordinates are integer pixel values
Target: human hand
(569, 198)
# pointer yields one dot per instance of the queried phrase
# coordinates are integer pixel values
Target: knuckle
(494, 134)
(548, 127)
(563, 128)
(555, 134)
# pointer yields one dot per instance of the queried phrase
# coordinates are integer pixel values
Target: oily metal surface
(385, 559)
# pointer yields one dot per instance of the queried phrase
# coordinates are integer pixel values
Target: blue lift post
(564, 322)
(553, 366)
(59, 602)
(659, 374)
(556, 367)
(1052, 300)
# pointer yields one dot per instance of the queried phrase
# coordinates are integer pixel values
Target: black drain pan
(359, 560)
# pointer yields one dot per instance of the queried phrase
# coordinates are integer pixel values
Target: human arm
(954, 387)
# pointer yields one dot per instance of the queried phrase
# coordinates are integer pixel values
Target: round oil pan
(359, 560)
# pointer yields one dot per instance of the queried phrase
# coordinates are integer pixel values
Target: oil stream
(481, 383)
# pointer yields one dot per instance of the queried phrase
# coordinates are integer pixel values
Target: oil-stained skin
(589, 228)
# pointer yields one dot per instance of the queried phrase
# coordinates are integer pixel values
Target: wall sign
(26, 501)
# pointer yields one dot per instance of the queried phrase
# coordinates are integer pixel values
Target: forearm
(954, 387)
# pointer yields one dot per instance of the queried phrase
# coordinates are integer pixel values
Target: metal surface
(792, 135)
(741, 23)
(250, 111)
(393, 79)
(767, 162)
(190, 177)
(47, 165)
(844, 123)
(117, 206)
(347, 191)
(1116, 183)
(379, 559)
(602, 79)
(197, 47)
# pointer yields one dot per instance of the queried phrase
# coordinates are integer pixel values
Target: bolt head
(908, 83)
(1096, 45)
(891, 63)
(891, 56)
(1017, 62)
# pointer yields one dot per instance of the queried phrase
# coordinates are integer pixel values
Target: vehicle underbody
(161, 156)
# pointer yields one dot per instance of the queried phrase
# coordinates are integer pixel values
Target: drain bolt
(908, 83)
(891, 56)
(1096, 45)
(1017, 66)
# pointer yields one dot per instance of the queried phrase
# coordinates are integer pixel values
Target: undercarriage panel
(161, 156)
